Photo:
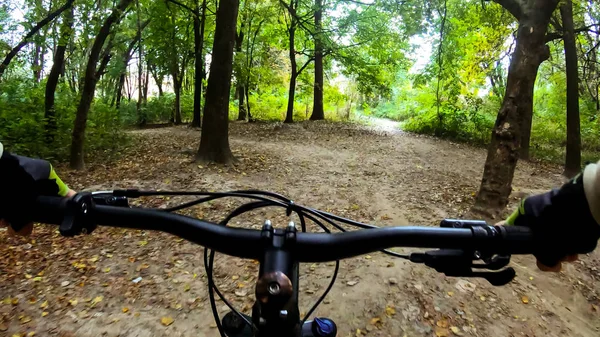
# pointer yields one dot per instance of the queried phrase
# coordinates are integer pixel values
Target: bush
(23, 125)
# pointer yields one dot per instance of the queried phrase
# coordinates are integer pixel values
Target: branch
(31, 33)
(304, 66)
(513, 6)
(556, 35)
(184, 6)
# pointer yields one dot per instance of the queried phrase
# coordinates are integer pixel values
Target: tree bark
(31, 33)
(89, 86)
(240, 89)
(573, 155)
(140, 112)
(199, 24)
(318, 113)
(57, 67)
(503, 152)
(527, 122)
(289, 115)
(214, 141)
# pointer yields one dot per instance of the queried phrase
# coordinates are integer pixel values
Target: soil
(84, 286)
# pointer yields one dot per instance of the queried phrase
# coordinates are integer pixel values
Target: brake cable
(263, 199)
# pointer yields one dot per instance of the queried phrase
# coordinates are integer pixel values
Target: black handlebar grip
(49, 210)
(521, 239)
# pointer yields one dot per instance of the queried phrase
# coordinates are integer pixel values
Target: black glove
(561, 220)
(22, 180)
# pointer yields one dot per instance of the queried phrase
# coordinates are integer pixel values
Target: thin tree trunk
(573, 156)
(146, 84)
(31, 33)
(289, 115)
(503, 151)
(87, 94)
(318, 113)
(214, 141)
(57, 66)
(119, 92)
(240, 88)
(199, 24)
(140, 112)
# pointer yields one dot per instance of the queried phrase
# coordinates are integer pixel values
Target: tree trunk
(240, 88)
(503, 152)
(199, 24)
(31, 33)
(527, 122)
(318, 113)
(289, 115)
(573, 156)
(214, 141)
(141, 113)
(89, 86)
(37, 70)
(57, 66)
(177, 84)
(119, 92)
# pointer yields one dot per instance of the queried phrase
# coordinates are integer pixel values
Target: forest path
(83, 286)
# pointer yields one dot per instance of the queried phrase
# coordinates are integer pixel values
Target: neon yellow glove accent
(63, 189)
(519, 211)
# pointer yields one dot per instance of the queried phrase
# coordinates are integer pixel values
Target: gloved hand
(565, 221)
(22, 180)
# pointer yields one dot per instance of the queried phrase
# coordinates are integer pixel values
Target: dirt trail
(83, 286)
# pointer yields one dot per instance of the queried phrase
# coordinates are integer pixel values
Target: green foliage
(23, 124)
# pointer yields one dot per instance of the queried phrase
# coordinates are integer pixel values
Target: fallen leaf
(442, 323)
(186, 287)
(30, 334)
(93, 259)
(14, 301)
(368, 257)
(25, 319)
(65, 283)
(44, 305)
(125, 310)
(241, 285)
(166, 321)
(375, 321)
(27, 276)
(109, 255)
(594, 308)
(96, 300)
(441, 332)
(450, 293)
(143, 243)
(390, 311)
(106, 270)
(482, 298)
(455, 330)
(37, 279)
(45, 313)
(234, 277)
(358, 333)
(352, 283)
(73, 302)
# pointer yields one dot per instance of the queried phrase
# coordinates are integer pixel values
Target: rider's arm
(22, 179)
(567, 219)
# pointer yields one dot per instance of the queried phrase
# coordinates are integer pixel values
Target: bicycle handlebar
(307, 247)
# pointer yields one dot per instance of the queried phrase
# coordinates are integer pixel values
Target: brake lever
(459, 263)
